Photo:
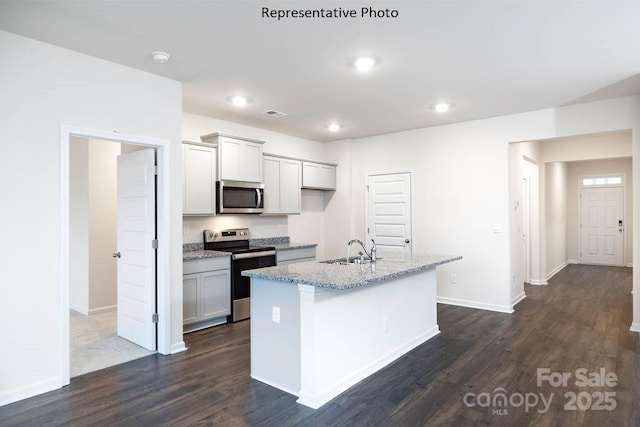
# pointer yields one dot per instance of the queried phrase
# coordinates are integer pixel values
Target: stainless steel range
(243, 257)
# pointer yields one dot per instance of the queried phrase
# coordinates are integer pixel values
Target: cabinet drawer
(206, 264)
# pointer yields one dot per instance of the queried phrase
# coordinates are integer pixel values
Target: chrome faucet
(370, 254)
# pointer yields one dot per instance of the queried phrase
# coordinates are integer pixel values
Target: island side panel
(350, 334)
(275, 347)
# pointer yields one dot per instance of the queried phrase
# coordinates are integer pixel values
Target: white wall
(597, 167)
(93, 224)
(556, 216)
(43, 88)
(308, 227)
(103, 212)
(461, 188)
(339, 204)
(79, 225)
(461, 176)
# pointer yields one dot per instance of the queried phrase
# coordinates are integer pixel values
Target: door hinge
(154, 243)
(154, 169)
(368, 230)
(154, 317)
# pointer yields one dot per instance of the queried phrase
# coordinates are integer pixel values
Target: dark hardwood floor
(581, 320)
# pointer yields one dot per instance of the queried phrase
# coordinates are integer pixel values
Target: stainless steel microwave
(235, 197)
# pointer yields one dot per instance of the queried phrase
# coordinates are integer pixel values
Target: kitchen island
(318, 328)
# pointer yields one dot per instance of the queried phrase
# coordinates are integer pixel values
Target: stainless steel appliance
(235, 197)
(243, 257)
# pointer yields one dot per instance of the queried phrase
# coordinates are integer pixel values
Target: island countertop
(335, 276)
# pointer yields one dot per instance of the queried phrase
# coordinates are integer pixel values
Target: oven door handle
(253, 255)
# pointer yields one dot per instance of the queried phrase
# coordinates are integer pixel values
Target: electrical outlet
(275, 316)
(454, 279)
(185, 230)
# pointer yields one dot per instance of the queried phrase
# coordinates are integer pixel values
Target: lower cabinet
(206, 295)
(291, 256)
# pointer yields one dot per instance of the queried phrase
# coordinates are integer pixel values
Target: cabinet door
(231, 159)
(271, 171)
(252, 162)
(199, 190)
(327, 177)
(319, 176)
(290, 183)
(215, 294)
(190, 298)
(240, 160)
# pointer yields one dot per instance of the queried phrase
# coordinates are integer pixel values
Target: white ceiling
(488, 58)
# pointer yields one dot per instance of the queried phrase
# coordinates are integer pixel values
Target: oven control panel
(233, 234)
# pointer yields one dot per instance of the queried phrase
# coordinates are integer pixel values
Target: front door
(602, 231)
(136, 255)
(389, 211)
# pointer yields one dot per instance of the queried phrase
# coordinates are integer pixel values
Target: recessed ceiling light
(160, 57)
(239, 101)
(334, 127)
(443, 107)
(364, 63)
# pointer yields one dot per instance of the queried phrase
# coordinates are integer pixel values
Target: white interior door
(136, 253)
(389, 211)
(601, 222)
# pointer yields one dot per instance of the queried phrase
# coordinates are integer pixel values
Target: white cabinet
(239, 159)
(282, 182)
(320, 176)
(206, 294)
(199, 165)
(291, 256)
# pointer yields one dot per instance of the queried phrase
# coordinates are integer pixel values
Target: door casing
(163, 229)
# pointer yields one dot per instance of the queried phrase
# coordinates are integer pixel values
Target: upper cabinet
(282, 182)
(320, 176)
(239, 159)
(199, 179)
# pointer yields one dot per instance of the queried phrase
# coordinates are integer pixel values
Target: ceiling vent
(274, 113)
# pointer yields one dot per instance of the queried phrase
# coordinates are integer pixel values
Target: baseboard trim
(538, 282)
(29, 390)
(517, 299)
(630, 265)
(557, 270)
(101, 310)
(573, 261)
(475, 304)
(178, 347)
(635, 327)
(79, 310)
(316, 400)
(285, 389)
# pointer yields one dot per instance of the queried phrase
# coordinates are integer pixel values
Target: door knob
(116, 254)
(406, 240)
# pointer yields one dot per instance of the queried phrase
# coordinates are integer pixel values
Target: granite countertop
(202, 254)
(288, 245)
(192, 251)
(327, 275)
